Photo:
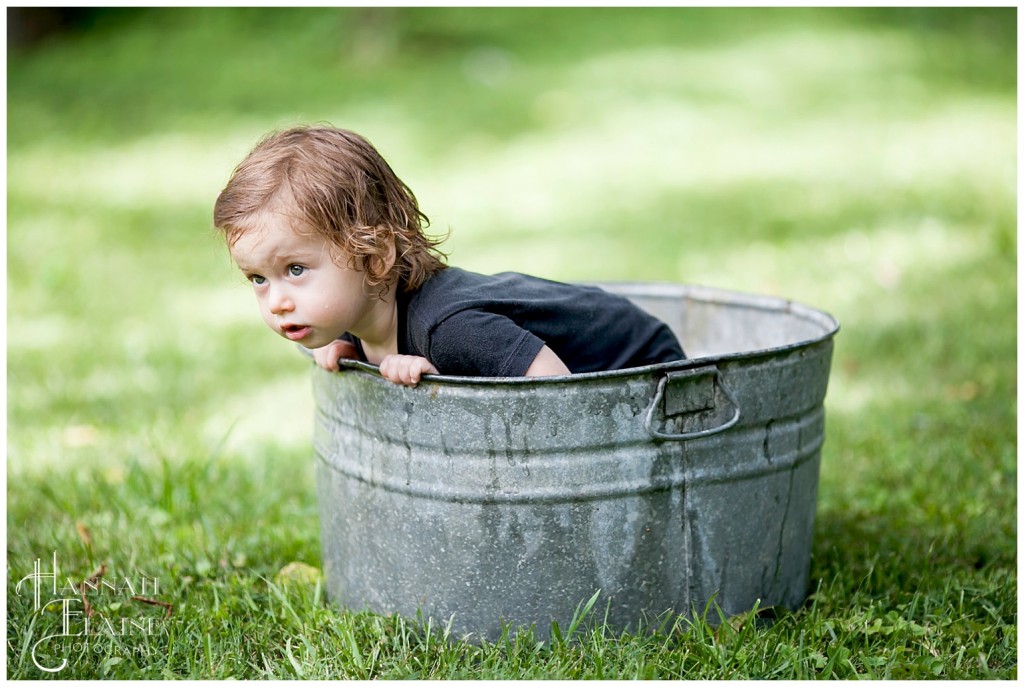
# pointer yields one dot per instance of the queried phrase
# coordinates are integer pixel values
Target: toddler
(332, 242)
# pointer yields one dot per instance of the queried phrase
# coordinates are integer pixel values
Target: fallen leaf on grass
(297, 572)
(967, 391)
(83, 533)
(96, 576)
(153, 602)
(761, 617)
(92, 582)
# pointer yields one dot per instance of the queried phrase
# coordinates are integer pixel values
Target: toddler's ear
(380, 264)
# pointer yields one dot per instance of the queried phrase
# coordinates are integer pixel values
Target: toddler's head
(334, 183)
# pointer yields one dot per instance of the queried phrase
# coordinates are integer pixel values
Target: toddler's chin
(314, 342)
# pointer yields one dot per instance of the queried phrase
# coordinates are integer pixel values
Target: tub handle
(689, 391)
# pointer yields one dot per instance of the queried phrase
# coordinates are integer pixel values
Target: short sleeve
(482, 344)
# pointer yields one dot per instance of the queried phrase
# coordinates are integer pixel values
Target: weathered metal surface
(482, 501)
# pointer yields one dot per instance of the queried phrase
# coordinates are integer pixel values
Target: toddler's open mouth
(295, 332)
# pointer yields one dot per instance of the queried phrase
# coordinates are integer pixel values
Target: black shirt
(493, 326)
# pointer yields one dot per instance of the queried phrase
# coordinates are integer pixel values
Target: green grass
(862, 161)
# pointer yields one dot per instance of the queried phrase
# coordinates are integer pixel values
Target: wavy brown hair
(340, 186)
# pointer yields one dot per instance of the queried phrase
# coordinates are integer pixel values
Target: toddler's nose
(280, 303)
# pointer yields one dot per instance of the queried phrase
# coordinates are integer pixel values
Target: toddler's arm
(407, 369)
(546, 364)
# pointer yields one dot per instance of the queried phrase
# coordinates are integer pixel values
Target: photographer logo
(93, 615)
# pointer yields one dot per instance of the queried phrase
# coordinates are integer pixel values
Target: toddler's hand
(405, 369)
(327, 356)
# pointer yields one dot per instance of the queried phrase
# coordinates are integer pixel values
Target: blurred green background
(859, 160)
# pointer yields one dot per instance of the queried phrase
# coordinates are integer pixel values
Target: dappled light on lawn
(861, 161)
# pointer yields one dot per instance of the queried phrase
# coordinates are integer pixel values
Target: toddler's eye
(257, 279)
(296, 270)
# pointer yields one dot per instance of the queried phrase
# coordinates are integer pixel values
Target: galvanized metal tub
(478, 502)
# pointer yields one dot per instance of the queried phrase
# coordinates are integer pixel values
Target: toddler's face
(302, 294)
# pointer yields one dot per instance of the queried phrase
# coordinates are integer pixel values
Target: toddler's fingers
(422, 367)
(327, 356)
(416, 368)
(325, 359)
(405, 369)
(391, 369)
(414, 374)
(411, 371)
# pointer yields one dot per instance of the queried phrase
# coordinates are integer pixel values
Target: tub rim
(705, 294)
